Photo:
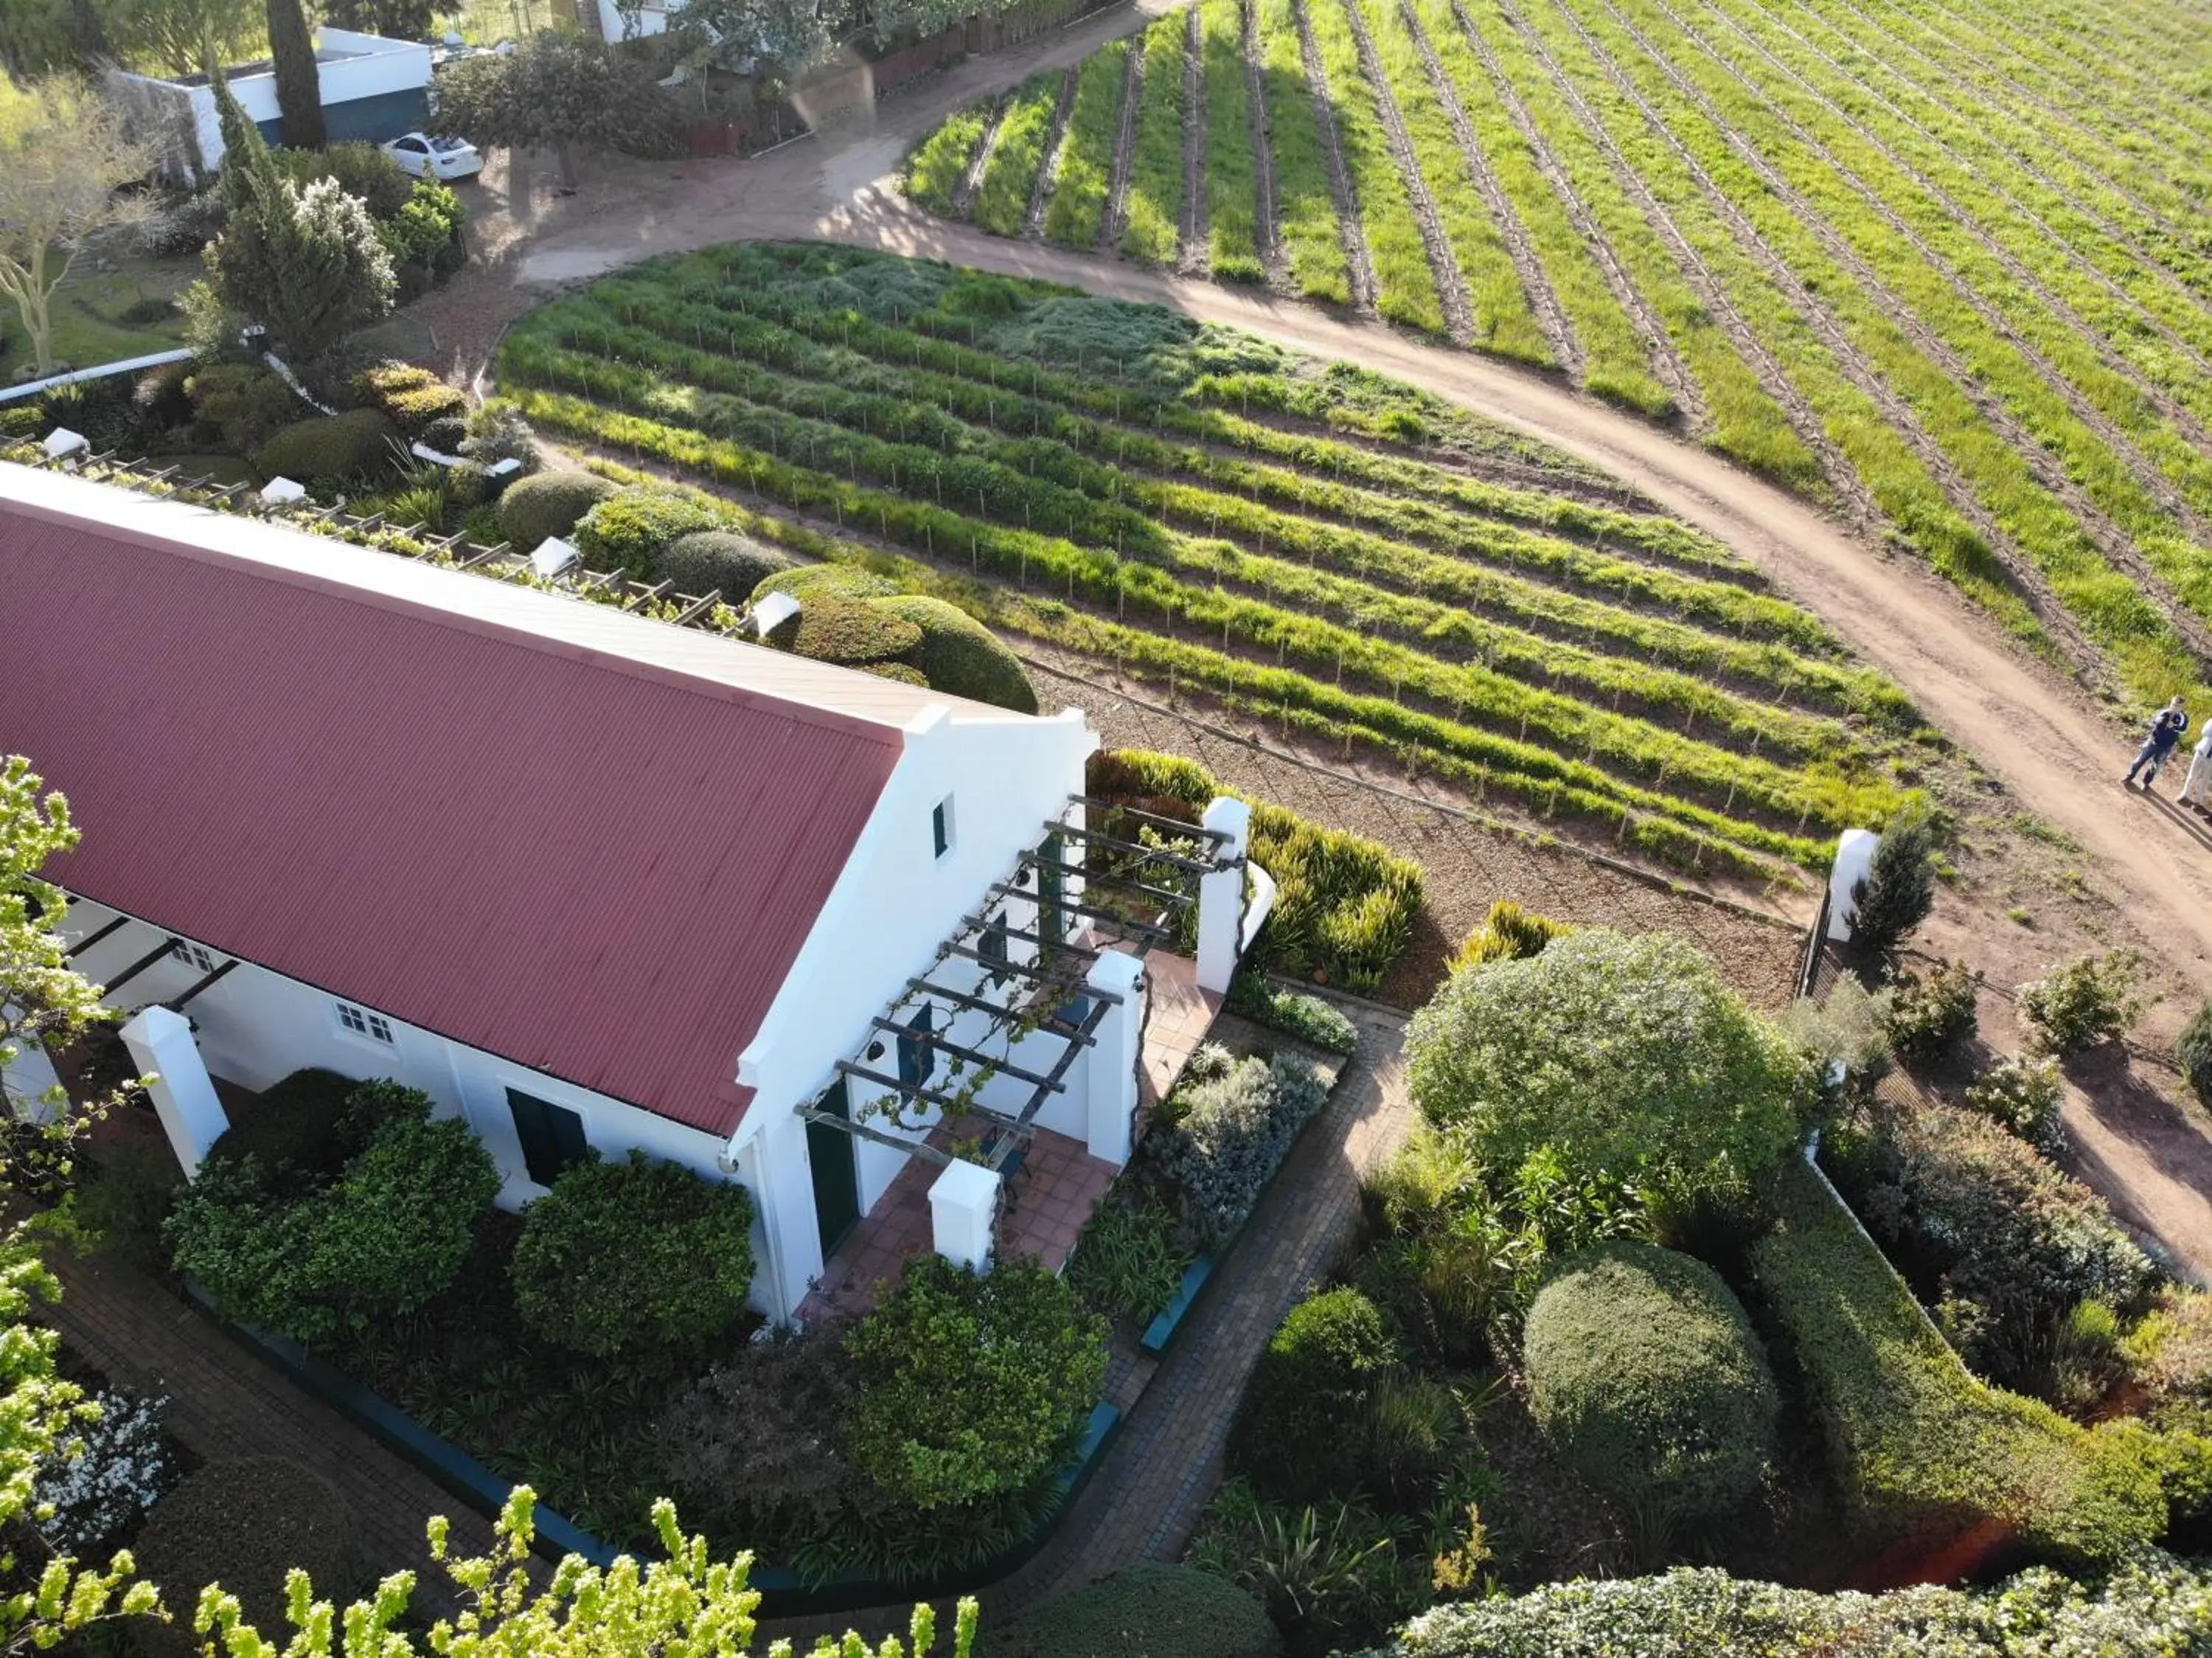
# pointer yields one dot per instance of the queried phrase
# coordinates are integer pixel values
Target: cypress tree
(299, 87)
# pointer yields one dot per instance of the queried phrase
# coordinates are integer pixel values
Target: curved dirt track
(2045, 740)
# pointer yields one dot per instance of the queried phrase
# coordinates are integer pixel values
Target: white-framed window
(192, 955)
(360, 1022)
(940, 825)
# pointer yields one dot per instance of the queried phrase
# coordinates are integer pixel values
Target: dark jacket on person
(2165, 730)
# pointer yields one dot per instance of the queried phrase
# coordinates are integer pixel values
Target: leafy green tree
(307, 264)
(1628, 1056)
(299, 82)
(557, 91)
(179, 37)
(1899, 891)
(63, 158)
(50, 37)
(395, 20)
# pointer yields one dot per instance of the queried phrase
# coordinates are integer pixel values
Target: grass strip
(1232, 184)
(1086, 162)
(1152, 227)
(1002, 205)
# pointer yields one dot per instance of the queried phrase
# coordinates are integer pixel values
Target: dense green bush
(1927, 1457)
(296, 1122)
(2026, 1096)
(246, 1523)
(1928, 1017)
(361, 169)
(2084, 1002)
(241, 405)
(2154, 1605)
(1220, 1137)
(1628, 1056)
(1508, 933)
(1300, 1433)
(2000, 1240)
(973, 1386)
(758, 1446)
(548, 504)
(1899, 890)
(358, 444)
(410, 396)
(710, 561)
(2194, 1054)
(1291, 1012)
(398, 1227)
(1645, 1374)
(806, 581)
(1151, 1610)
(161, 397)
(630, 530)
(634, 1254)
(852, 632)
(960, 656)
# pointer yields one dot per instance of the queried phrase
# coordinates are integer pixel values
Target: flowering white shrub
(105, 1474)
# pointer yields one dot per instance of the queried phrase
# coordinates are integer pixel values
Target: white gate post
(1853, 858)
(1221, 895)
(161, 1047)
(1109, 1072)
(963, 1204)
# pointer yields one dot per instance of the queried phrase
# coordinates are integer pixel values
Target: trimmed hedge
(548, 504)
(360, 443)
(631, 529)
(720, 560)
(411, 397)
(634, 1255)
(1646, 1376)
(960, 656)
(1151, 1610)
(1300, 1433)
(243, 1522)
(1928, 1456)
(1294, 1013)
(295, 1122)
(849, 631)
(807, 581)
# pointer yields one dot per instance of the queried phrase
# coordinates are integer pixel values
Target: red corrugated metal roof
(565, 853)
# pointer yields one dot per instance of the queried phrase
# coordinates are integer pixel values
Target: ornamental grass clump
(635, 1256)
(1646, 1376)
(973, 1386)
(1628, 1058)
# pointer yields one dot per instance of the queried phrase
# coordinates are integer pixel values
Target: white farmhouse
(586, 878)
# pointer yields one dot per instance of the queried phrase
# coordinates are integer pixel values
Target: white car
(444, 159)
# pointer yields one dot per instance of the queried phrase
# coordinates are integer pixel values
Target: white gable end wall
(893, 905)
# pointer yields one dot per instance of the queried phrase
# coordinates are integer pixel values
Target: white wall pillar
(1221, 895)
(963, 1206)
(161, 1047)
(1109, 1069)
(784, 1194)
(1853, 858)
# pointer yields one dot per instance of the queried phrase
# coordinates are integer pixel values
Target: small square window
(193, 956)
(940, 825)
(362, 1023)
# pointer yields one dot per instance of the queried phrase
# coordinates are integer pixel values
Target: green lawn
(90, 311)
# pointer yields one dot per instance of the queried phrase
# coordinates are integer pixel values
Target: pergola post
(963, 1207)
(1221, 894)
(162, 1047)
(1111, 1067)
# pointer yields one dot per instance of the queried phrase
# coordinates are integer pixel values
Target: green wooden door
(836, 1177)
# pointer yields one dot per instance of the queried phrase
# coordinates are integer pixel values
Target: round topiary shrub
(242, 1523)
(850, 631)
(722, 561)
(548, 504)
(360, 443)
(634, 1254)
(2195, 1053)
(960, 656)
(1151, 1610)
(973, 1386)
(809, 581)
(1629, 1058)
(630, 531)
(1646, 1377)
(1300, 1434)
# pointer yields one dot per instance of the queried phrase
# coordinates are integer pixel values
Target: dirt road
(2045, 740)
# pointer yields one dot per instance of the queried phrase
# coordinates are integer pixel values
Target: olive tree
(64, 157)
(1628, 1058)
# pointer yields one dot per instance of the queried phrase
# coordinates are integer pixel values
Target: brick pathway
(1145, 1500)
(223, 1402)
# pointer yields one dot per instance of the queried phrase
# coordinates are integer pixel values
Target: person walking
(2197, 787)
(2165, 732)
